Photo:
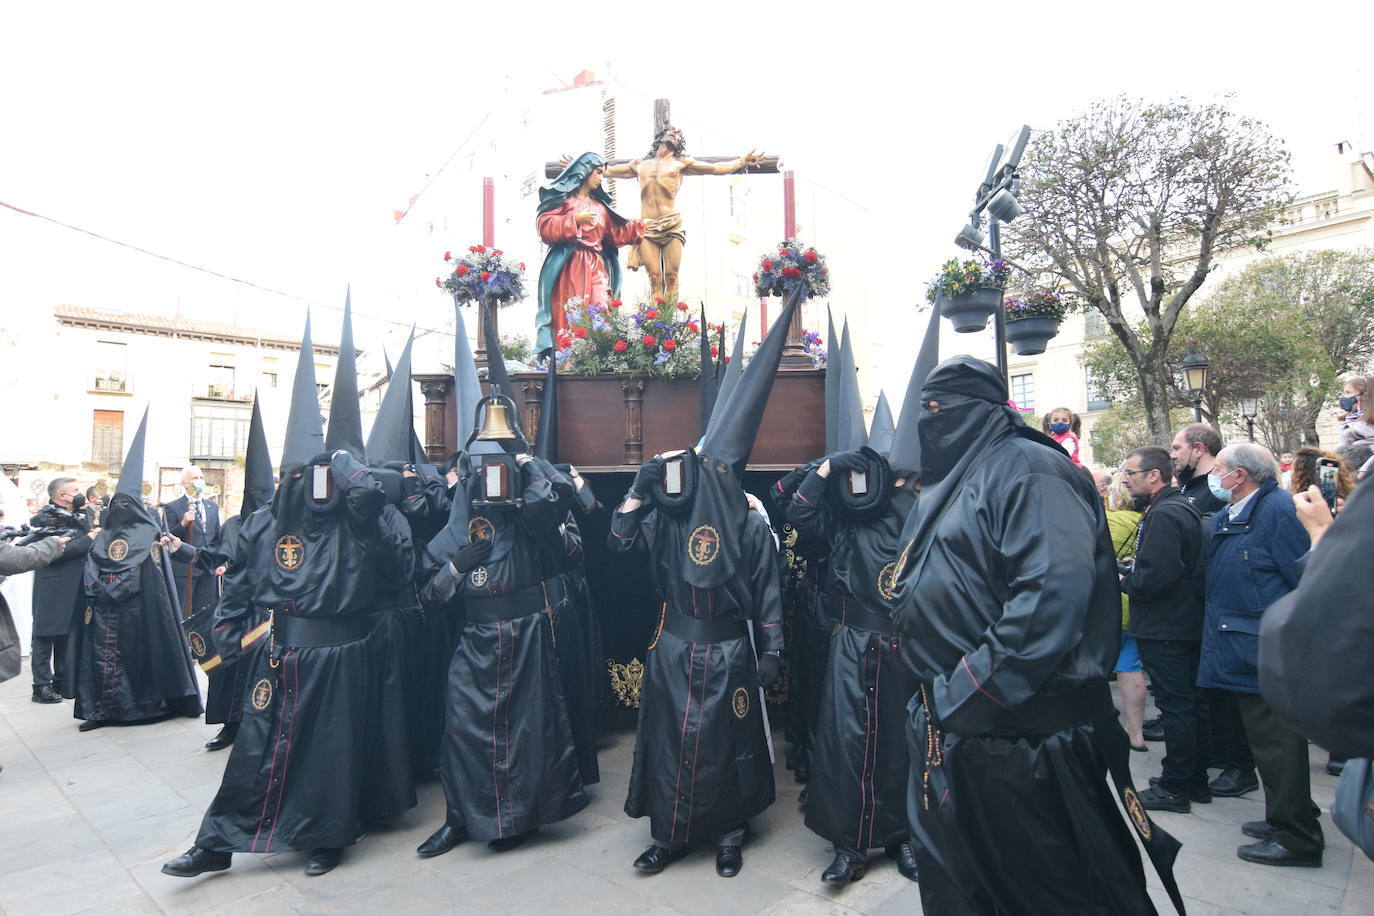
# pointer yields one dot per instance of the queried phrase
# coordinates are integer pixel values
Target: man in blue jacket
(1256, 544)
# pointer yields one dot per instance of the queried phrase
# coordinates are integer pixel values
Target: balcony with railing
(105, 381)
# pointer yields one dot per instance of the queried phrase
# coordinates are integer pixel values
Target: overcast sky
(272, 141)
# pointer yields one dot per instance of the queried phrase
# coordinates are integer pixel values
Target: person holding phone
(1322, 469)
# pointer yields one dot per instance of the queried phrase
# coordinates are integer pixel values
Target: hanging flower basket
(970, 311)
(969, 291)
(484, 275)
(1033, 321)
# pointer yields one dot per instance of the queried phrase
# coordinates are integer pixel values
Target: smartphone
(1328, 472)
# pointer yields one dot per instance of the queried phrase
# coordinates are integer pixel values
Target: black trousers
(1230, 749)
(1172, 667)
(1281, 755)
(47, 658)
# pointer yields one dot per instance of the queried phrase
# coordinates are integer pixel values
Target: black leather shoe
(225, 737)
(1270, 852)
(729, 860)
(1198, 795)
(1153, 729)
(46, 694)
(442, 840)
(802, 771)
(656, 858)
(323, 860)
(1233, 782)
(905, 857)
(90, 725)
(1334, 766)
(1260, 830)
(505, 844)
(844, 870)
(195, 860)
(1157, 798)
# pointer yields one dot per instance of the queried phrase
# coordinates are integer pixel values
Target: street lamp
(1249, 409)
(997, 196)
(1195, 367)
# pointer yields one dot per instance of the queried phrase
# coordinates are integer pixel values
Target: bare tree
(1129, 204)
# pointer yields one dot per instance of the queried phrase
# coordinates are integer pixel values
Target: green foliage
(517, 348)
(1123, 428)
(957, 278)
(1041, 304)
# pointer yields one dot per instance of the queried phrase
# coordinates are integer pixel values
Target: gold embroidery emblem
(262, 694)
(197, 644)
(290, 552)
(1136, 810)
(887, 580)
(118, 549)
(789, 535)
(703, 545)
(480, 529)
(741, 702)
(88, 616)
(627, 681)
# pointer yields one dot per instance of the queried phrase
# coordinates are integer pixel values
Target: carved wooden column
(634, 420)
(485, 312)
(436, 389)
(794, 354)
(534, 406)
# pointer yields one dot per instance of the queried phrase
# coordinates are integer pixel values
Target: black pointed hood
(389, 438)
(708, 376)
(128, 529)
(496, 365)
(849, 409)
(882, 431)
(729, 378)
(304, 431)
(546, 439)
(905, 456)
(731, 438)
(345, 413)
(832, 385)
(467, 388)
(387, 359)
(258, 481)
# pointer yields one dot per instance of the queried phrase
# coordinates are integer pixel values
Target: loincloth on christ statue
(667, 228)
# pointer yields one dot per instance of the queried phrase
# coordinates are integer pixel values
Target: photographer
(55, 587)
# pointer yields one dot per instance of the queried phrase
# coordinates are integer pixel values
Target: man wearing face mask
(1007, 596)
(1194, 451)
(55, 587)
(1256, 545)
(194, 519)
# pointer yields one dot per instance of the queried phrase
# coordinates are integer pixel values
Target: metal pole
(1197, 410)
(1250, 427)
(999, 319)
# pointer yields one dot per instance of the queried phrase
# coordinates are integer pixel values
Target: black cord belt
(319, 632)
(700, 629)
(545, 596)
(854, 615)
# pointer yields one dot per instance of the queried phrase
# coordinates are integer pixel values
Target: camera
(1126, 566)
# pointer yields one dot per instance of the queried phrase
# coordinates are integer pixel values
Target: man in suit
(194, 519)
(55, 587)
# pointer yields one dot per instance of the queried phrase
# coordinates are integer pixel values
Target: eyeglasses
(1128, 472)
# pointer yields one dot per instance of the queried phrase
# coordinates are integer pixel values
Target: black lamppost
(1195, 367)
(996, 195)
(1249, 409)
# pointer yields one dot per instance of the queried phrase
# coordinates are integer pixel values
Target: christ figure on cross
(660, 178)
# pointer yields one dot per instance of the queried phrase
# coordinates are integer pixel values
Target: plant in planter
(484, 275)
(1033, 319)
(969, 291)
(778, 274)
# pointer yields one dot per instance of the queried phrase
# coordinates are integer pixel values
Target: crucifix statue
(660, 177)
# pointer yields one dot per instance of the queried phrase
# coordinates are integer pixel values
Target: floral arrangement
(1042, 304)
(958, 278)
(482, 274)
(655, 338)
(815, 349)
(778, 274)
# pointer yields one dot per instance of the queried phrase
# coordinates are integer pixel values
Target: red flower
(437, 283)
(756, 278)
(448, 256)
(692, 326)
(615, 304)
(460, 270)
(767, 264)
(580, 333)
(649, 340)
(480, 249)
(713, 352)
(670, 345)
(658, 300)
(486, 275)
(811, 257)
(682, 306)
(564, 341)
(791, 272)
(522, 265)
(496, 251)
(782, 250)
(650, 314)
(621, 346)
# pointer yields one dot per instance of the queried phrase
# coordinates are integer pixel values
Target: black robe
(227, 682)
(127, 659)
(507, 761)
(702, 764)
(296, 776)
(859, 760)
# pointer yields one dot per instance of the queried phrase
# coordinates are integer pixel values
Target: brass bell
(495, 422)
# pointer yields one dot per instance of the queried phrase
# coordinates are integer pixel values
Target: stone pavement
(86, 821)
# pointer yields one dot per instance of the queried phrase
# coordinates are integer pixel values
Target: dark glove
(848, 461)
(768, 671)
(648, 474)
(471, 556)
(788, 483)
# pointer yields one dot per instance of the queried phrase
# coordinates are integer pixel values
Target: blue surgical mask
(1214, 484)
(1059, 429)
(1348, 404)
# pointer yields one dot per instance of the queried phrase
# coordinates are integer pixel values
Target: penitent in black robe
(702, 764)
(859, 759)
(507, 761)
(227, 682)
(295, 778)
